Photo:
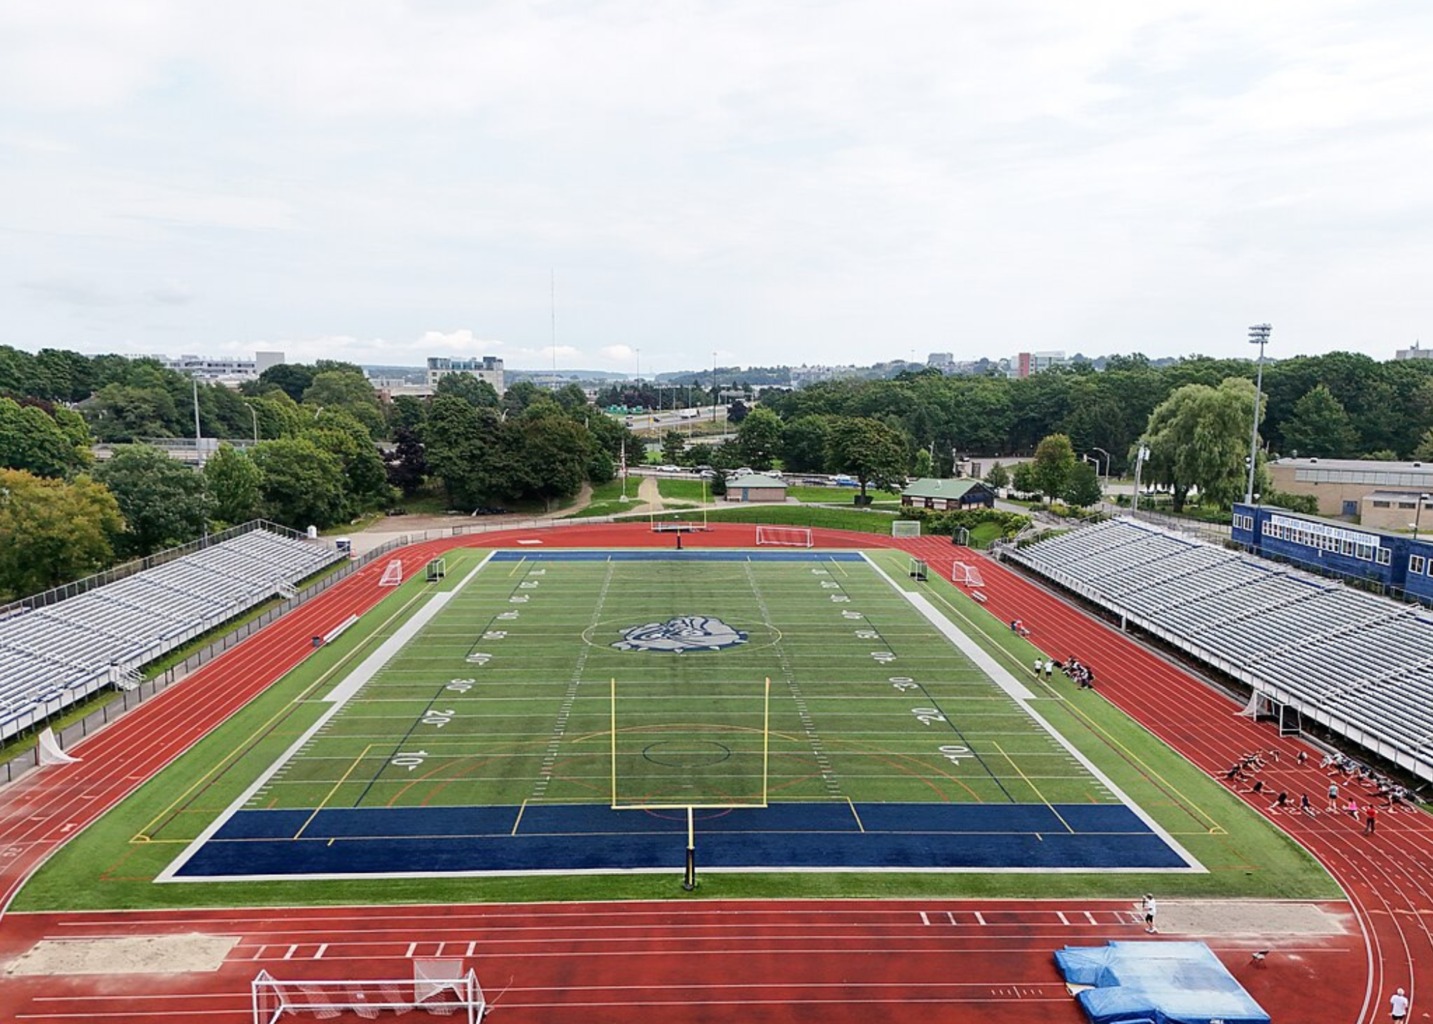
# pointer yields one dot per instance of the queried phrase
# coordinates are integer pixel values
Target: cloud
(171, 293)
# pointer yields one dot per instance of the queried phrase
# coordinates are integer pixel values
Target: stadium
(596, 771)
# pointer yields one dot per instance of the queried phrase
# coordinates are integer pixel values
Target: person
(1039, 666)
(1352, 808)
(1014, 625)
(1370, 819)
(1398, 1005)
(1281, 802)
(1303, 757)
(1307, 807)
(1150, 909)
(1333, 797)
(1049, 669)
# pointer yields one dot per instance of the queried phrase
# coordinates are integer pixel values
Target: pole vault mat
(592, 838)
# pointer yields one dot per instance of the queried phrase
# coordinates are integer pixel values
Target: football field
(559, 711)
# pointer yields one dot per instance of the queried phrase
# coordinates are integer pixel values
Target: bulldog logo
(684, 633)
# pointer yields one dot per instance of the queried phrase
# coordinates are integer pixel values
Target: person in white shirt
(1398, 1005)
(1150, 909)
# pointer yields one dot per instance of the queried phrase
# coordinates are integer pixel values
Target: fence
(12, 768)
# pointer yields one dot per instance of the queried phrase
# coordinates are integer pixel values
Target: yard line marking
(858, 822)
(1033, 788)
(518, 820)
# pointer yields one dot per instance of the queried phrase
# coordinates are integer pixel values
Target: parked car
(842, 480)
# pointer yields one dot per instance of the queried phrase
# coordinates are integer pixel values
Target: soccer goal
(918, 570)
(784, 536)
(392, 574)
(437, 569)
(966, 574)
(906, 528)
(437, 987)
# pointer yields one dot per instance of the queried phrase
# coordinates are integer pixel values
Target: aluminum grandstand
(58, 653)
(1354, 662)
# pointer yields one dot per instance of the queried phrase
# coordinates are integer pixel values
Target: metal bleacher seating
(1358, 663)
(53, 655)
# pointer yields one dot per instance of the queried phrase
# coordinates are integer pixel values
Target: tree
(1023, 478)
(759, 438)
(1054, 462)
(519, 396)
(804, 442)
(997, 476)
(556, 452)
(1424, 451)
(923, 463)
(407, 463)
(34, 441)
(1082, 486)
(301, 484)
(365, 478)
(233, 483)
(346, 391)
(470, 453)
(871, 451)
(293, 379)
(1199, 437)
(53, 531)
(736, 412)
(164, 502)
(674, 446)
(1319, 426)
(476, 392)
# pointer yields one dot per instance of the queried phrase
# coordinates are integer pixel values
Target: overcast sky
(773, 182)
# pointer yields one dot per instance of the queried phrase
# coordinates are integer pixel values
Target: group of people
(1376, 784)
(1081, 674)
(1242, 775)
(1018, 627)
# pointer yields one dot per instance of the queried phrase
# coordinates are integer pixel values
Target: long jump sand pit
(1249, 917)
(133, 954)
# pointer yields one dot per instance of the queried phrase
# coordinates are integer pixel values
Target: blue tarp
(1157, 983)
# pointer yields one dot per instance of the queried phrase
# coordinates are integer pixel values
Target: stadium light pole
(1139, 458)
(1423, 499)
(1258, 335)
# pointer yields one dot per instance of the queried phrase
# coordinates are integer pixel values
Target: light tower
(1258, 335)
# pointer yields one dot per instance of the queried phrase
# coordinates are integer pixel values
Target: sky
(647, 187)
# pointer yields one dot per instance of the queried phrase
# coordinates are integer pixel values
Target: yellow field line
(329, 795)
(1034, 788)
(203, 780)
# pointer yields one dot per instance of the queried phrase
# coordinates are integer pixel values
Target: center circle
(686, 753)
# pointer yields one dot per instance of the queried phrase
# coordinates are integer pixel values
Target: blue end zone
(559, 555)
(590, 837)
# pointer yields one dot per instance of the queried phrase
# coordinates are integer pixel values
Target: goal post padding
(906, 528)
(784, 536)
(437, 987)
(674, 745)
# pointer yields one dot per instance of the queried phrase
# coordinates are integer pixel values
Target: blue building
(1389, 563)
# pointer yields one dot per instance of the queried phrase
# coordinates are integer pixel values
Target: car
(743, 471)
(842, 480)
(670, 469)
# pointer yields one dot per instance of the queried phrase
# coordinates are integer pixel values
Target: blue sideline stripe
(673, 555)
(591, 837)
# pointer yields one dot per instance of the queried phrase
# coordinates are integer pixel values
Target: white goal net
(783, 536)
(438, 988)
(392, 574)
(967, 574)
(906, 528)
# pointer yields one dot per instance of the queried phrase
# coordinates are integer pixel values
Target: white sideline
(336, 698)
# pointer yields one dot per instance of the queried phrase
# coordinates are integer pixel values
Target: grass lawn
(836, 495)
(497, 738)
(607, 500)
(685, 490)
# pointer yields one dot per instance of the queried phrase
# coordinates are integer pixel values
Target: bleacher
(54, 655)
(1356, 662)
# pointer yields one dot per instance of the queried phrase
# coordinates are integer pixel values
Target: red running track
(679, 961)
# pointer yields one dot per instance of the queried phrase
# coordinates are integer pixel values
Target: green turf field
(529, 719)
(502, 703)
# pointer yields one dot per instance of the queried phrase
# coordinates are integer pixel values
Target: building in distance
(488, 368)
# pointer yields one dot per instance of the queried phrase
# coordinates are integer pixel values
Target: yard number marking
(409, 761)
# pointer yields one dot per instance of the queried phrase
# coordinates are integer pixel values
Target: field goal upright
(437, 988)
(784, 536)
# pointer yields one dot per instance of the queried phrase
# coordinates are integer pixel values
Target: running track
(837, 960)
